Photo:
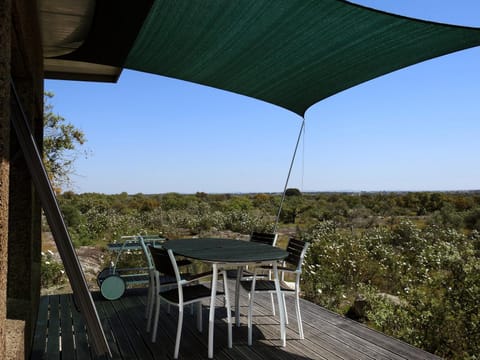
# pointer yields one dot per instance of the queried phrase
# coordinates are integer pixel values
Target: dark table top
(225, 250)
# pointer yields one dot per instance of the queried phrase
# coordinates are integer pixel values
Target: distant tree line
(94, 217)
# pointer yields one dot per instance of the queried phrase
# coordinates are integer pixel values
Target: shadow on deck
(61, 334)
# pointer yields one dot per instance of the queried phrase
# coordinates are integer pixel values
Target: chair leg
(199, 317)
(271, 294)
(179, 332)
(149, 300)
(155, 321)
(224, 298)
(299, 317)
(227, 304)
(237, 307)
(249, 321)
(237, 296)
(250, 315)
(285, 309)
(150, 307)
(273, 304)
(281, 306)
(211, 314)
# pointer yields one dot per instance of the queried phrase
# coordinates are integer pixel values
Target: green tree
(294, 206)
(293, 192)
(472, 219)
(61, 145)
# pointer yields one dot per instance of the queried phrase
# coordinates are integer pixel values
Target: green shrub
(432, 273)
(52, 272)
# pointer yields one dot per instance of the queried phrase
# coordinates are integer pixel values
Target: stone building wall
(5, 41)
(20, 213)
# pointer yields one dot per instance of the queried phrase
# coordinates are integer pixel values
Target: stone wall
(20, 212)
(5, 41)
(15, 335)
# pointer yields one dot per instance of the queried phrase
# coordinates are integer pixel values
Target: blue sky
(414, 129)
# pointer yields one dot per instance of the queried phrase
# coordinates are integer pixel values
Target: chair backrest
(166, 264)
(162, 261)
(146, 252)
(264, 238)
(296, 252)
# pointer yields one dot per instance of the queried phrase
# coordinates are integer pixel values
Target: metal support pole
(288, 176)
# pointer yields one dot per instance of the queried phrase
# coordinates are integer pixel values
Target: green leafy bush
(52, 272)
(422, 285)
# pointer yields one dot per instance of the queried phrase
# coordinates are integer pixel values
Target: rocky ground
(92, 260)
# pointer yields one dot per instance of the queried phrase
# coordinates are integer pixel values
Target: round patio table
(226, 251)
(217, 251)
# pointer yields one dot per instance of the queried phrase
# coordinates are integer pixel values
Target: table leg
(250, 310)
(227, 301)
(237, 295)
(211, 317)
(281, 305)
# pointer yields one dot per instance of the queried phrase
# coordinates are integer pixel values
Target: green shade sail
(292, 53)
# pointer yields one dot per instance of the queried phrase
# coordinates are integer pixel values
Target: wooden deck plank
(131, 312)
(266, 331)
(193, 345)
(165, 339)
(68, 344)
(53, 338)
(134, 339)
(107, 328)
(163, 344)
(125, 350)
(137, 305)
(339, 338)
(82, 347)
(328, 336)
(40, 337)
(394, 346)
(271, 329)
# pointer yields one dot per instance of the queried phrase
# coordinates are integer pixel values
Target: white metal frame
(284, 291)
(239, 263)
(166, 282)
(249, 276)
(181, 303)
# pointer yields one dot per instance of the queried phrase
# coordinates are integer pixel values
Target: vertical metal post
(58, 227)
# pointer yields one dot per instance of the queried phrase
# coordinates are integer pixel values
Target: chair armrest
(187, 278)
(280, 268)
(183, 262)
(289, 271)
(193, 277)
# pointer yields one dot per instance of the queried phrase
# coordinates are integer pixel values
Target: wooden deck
(61, 334)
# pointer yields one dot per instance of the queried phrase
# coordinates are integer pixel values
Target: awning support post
(288, 176)
(59, 229)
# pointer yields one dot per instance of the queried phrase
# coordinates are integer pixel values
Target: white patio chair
(184, 293)
(292, 265)
(166, 282)
(259, 237)
(263, 238)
